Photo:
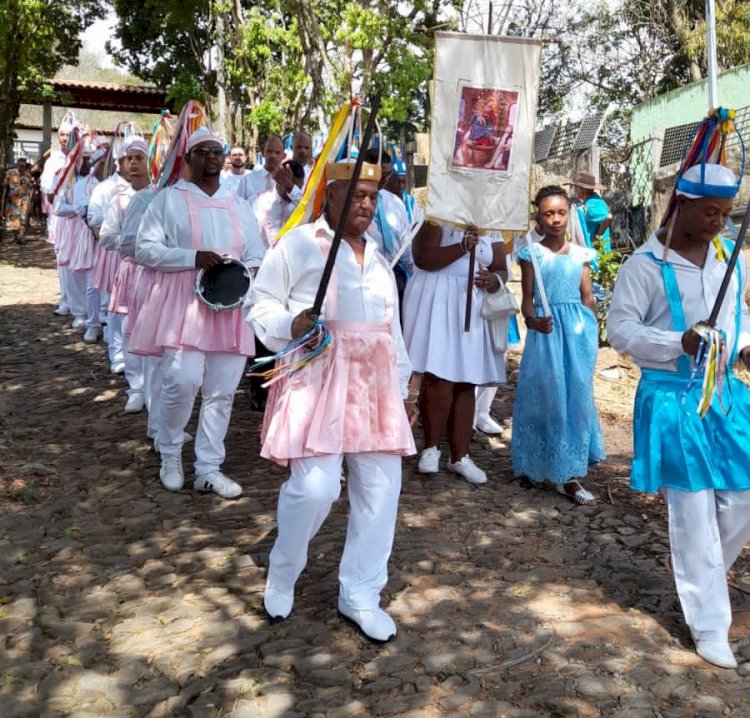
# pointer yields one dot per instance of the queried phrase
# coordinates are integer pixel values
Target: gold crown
(345, 171)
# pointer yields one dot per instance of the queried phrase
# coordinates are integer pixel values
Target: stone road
(119, 599)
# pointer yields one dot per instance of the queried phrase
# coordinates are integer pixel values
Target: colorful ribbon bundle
(307, 348)
(161, 136)
(711, 364)
(192, 116)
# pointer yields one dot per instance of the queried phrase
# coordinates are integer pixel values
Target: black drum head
(225, 284)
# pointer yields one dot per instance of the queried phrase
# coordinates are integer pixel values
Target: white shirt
(66, 206)
(52, 166)
(231, 180)
(100, 199)
(398, 220)
(288, 280)
(640, 323)
(254, 183)
(132, 219)
(272, 211)
(164, 238)
(110, 234)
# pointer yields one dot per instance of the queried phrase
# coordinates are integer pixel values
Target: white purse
(497, 309)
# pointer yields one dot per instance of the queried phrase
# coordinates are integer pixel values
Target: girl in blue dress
(556, 433)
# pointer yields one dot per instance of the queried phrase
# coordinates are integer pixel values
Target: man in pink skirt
(188, 227)
(349, 402)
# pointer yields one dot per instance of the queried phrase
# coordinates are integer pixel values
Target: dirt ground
(118, 598)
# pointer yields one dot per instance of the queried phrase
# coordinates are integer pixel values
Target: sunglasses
(209, 152)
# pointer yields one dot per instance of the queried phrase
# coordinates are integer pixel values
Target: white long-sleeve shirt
(164, 238)
(640, 322)
(75, 206)
(288, 280)
(253, 183)
(100, 199)
(231, 180)
(132, 220)
(111, 229)
(52, 166)
(272, 211)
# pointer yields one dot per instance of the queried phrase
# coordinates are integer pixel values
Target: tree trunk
(10, 98)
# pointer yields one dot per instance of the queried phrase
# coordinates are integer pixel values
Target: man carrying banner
(692, 444)
(353, 402)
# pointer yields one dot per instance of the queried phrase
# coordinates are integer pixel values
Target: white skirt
(433, 322)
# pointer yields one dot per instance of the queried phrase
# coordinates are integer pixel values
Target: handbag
(499, 304)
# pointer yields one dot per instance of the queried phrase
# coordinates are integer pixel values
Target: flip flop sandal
(526, 483)
(580, 496)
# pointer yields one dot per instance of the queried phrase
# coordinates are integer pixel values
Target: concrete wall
(688, 104)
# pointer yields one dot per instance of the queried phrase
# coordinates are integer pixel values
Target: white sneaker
(135, 403)
(487, 425)
(217, 482)
(78, 323)
(278, 604)
(717, 652)
(62, 311)
(118, 367)
(91, 336)
(429, 461)
(469, 470)
(375, 623)
(171, 475)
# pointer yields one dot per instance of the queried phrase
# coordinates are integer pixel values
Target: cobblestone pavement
(120, 599)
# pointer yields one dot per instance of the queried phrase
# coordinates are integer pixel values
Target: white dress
(433, 319)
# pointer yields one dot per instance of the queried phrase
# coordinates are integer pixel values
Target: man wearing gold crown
(352, 402)
(663, 295)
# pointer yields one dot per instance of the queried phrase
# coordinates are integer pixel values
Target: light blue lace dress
(556, 432)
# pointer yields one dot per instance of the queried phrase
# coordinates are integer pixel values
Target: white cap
(137, 144)
(203, 134)
(709, 180)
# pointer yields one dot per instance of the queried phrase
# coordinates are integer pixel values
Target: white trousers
(64, 305)
(115, 347)
(485, 397)
(93, 314)
(152, 376)
(73, 286)
(133, 363)
(707, 532)
(217, 375)
(305, 500)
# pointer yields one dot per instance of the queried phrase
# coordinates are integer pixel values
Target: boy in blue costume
(701, 463)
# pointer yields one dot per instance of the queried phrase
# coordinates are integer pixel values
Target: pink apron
(346, 401)
(106, 264)
(174, 318)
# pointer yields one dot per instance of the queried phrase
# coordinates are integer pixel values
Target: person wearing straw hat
(188, 227)
(352, 402)
(692, 445)
(595, 212)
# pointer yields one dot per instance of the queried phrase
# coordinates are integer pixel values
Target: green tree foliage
(37, 37)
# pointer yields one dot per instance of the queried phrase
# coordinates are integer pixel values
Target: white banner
(482, 135)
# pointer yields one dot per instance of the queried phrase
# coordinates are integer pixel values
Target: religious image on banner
(484, 129)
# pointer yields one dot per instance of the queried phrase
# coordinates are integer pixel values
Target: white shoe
(717, 652)
(278, 604)
(91, 336)
(62, 311)
(429, 461)
(469, 470)
(135, 403)
(118, 367)
(375, 623)
(217, 482)
(487, 425)
(78, 323)
(171, 475)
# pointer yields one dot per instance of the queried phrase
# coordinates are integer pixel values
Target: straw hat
(585, 180)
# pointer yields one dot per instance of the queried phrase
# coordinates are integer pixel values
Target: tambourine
(223, 286)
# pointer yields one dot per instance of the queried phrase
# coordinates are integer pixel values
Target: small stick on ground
(609, 493)
(512, 661)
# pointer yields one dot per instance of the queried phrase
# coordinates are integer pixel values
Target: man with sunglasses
(188, 227)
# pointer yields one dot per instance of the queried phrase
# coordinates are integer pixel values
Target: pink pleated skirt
(82, 247)
(174, 318)
(122, 287)
(106, 264)
(144, 279)
(346, 401)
